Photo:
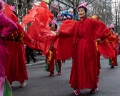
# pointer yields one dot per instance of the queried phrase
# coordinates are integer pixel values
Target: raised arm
(102, 30)
(67, 27)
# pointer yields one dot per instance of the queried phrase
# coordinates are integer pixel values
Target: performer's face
(53, 27)
(81, 13)
(51, 47)
(111, 30)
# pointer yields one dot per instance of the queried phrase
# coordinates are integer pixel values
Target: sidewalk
(39, 60)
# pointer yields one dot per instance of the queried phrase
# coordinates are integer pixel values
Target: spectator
(30, 52)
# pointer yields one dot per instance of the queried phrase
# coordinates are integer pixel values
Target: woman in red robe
(7, 27)
(113, 60)
(84, 53)
(15, 66)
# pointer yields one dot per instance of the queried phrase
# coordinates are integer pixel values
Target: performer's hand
(51, 47)
(57, 33)
(32, 41)
(54, 32)
(115, 48)
(98, 40)
(2, 36)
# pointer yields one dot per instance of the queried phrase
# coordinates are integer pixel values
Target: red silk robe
(84, 53)
(15, 67)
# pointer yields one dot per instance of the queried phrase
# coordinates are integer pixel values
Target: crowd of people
(65, 15)
(83, 41)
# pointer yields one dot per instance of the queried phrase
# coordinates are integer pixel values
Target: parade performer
(16, 61)
(51, 58)
(15, 66)
(7, 27)
(83, 51)
(113, 60)
(30, 52)
(39, 30)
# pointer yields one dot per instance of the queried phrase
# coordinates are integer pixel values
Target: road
(40, 84)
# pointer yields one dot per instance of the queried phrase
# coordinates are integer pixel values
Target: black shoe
(112, 66)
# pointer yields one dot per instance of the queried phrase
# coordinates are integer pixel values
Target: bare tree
(102, 8)
(116, 15)
(22, 6)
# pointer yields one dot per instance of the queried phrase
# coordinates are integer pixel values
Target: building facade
(22, 6)
(56, 6)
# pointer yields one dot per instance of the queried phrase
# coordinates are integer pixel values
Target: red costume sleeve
(40, 17)
(47, 37)
(29, 17)
(103, 32)
(115, 44)
(9, 13)
(65, 42)
(24, 37)
(66, 27)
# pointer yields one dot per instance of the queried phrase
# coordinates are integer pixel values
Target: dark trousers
(32, 56)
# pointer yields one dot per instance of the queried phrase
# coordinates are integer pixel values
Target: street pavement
(39, 60)
(40, 84)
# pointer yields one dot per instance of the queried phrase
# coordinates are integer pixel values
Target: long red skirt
(84, 67)
(15, 67)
